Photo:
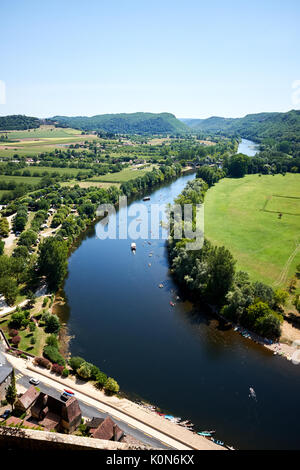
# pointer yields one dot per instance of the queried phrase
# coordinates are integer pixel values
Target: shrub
(65, 372)
(57, 369)
(15, 340)
(32, 340)
(42, 362)
(75, 362)
(53, 354)
(52, 340)
(94, 371)
(45, 301)
(3, 402)
(32, 326)
(16, 319)
(13, 333)
(52, 323)
(23, 356)
(85, 371)
(111, 385)
(101, 379)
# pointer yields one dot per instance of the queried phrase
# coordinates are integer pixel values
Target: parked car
(5, 415)
(34, 381)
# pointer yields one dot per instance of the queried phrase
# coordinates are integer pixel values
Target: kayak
(68, 391)
(206, 434)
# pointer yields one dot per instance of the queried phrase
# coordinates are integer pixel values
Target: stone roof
(94, 423)
(108, 430)
(12, 420)
(51, 421)
(28, 398)
(71, 410)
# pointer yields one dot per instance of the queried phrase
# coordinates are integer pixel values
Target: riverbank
(175, 435)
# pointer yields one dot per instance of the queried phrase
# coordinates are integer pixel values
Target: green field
(243, 215)
(21, 179)
(42, 132)
(122, 176)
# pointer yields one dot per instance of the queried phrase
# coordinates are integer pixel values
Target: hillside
(18, 122)
(135, 123)
(275, 126)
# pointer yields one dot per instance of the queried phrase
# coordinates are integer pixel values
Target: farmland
(123, 175)
(243, 215)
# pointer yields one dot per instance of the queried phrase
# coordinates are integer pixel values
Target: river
(248, 147)
(178, 358)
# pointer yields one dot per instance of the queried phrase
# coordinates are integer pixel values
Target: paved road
(89, 411)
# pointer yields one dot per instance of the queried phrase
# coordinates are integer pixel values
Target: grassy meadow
(243, 215)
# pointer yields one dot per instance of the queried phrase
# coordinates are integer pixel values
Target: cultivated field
(43, 139)
(244, 215)
(123, 175)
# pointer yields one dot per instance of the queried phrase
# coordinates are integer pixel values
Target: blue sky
(193, 58)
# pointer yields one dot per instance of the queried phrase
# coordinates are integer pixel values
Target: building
(27, 399)
(5, 379)
(104, 428)
(54, 414)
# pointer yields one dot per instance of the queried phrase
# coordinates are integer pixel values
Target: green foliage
(52, 353)
(4, 227)
(75, 362)
(101, 379)
(135, 123)
(112, 386)
(18, 122)
(85, 371)
(11, 391)
(65, 372)
(52, 323)
(27, 238)
(52, 261)
(52, 340)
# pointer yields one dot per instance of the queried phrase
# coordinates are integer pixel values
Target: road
(87, 411)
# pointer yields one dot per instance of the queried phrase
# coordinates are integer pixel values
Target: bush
(111, 385)
(16, 319)
(57, 369)
(23, 356)
(3, 402)
(15, 340)
(52, 323)
(52, 340)
(53, 354)
(101, 379)
(32, 326)
(85, 371)
(75, 362)
(42, 362)
(65, 372)
(13, 333)
(32, 340)
(45, 301)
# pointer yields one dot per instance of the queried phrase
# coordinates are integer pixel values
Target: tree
(112, 385)
(4, 227)
(101, 379)
(9, 288)
(51, 340)
(268, 326)
(280, 297)
(52, 323)
(52, 261)
(11, 391)
(75, 362)
(85, 371)
(27, 238)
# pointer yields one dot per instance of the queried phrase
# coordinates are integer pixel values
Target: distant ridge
(18, 122)
(277, 126)
(134, 123)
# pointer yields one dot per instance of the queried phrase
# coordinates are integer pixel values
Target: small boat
(160, 286)
(146, 198)
(216, 441)
(133, 246)
(252, 393)
(204, 433)
(172, 304)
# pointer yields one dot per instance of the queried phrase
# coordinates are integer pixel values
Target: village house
(27, 399)
(104, 428)
(52, 413)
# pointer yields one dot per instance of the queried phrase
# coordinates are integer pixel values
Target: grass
(243, 215)
(43, 132)
(25, 335)
(122, 176)
(49, 169)
(88, 184)
(21, 179)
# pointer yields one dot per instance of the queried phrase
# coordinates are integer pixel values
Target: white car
(34, 381)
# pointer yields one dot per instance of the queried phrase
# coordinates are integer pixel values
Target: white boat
(133, 246)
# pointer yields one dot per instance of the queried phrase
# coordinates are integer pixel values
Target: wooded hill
(258, 127)
(135, 123)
